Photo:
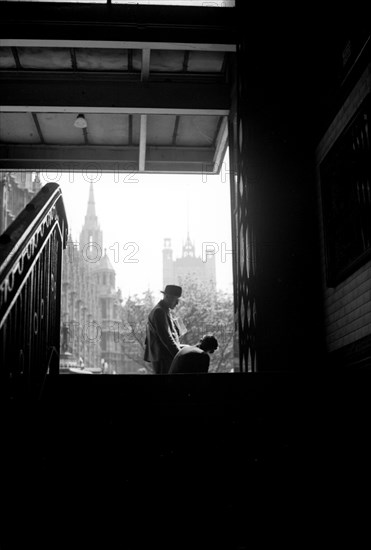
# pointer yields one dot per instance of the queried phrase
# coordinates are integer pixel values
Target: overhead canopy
(153, 83)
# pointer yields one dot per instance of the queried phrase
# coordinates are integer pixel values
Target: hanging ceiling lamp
(80, 122)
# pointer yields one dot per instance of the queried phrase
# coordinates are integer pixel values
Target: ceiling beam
(96, 23)
(16, 57)
(38, 128)
(55, 158)
(170, 167)
(142, 142)
(111, 110)
(101, 96)
(221, 144)
(146, 59)
(109, 76)
(115, 44)
(103, 152)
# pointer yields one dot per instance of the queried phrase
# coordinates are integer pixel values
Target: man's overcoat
(162, 335)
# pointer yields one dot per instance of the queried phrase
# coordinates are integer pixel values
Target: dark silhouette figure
(162, 332)
(196, 358)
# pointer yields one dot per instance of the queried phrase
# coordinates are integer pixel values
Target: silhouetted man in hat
(162, 332)
(191, 359)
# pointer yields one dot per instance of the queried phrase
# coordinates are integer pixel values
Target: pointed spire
(188, 209)
(91, 203)
(91, 232)
(188, 248)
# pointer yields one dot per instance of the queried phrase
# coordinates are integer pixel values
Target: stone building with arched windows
(90, 303)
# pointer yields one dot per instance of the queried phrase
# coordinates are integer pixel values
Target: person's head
(208, 343)
(172, 294)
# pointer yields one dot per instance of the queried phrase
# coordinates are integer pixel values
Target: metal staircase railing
(30, 281)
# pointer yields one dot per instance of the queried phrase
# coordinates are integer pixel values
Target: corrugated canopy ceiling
(153, 84)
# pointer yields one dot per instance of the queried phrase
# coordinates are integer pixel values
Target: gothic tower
(90, 304)
(109, 302)
(188, 248)
(91, 236)
(188, 266)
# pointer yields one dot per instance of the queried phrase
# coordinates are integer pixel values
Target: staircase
(232, 461)
(132, 461)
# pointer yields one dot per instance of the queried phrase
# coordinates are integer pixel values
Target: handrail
(19, 231)
(30, 284)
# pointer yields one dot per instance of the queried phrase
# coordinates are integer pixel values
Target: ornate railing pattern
(30, 279)
(243, 202)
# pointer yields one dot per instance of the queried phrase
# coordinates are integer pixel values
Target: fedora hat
(173, 290)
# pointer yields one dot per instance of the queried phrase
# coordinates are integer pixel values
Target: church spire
(188, 248)
(91, 236)
(91, 203)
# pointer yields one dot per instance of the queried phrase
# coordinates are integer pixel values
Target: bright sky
(137, 211)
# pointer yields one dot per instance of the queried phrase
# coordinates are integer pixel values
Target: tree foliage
(203, 310)
(134, 318)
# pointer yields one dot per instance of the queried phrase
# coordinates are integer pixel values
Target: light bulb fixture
(80, 122)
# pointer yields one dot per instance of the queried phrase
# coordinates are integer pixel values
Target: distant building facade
(17, 189)
(90, 303)
(91, 306)
(187, 266)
